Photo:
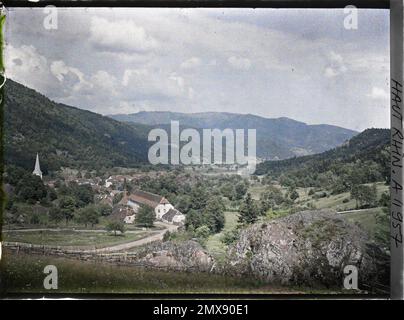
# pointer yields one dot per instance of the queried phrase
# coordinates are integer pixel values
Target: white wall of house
(179, 218)
(162, 209)
(108, 182)
(130, 219)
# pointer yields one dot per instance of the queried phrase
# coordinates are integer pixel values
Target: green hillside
(363, 159)
(65, 136)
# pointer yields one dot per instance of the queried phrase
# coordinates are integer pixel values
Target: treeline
(200, 198)
(30, 201)
(364, 159)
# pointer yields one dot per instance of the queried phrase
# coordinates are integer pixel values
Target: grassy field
(367, 220)
(339, 202)
(335, 201)
(73, 238)
(214, 244)
(24, 273)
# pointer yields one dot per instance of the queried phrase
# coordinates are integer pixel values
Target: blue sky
(301, 64)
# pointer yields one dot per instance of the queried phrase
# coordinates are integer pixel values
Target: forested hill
(364, 158)
(65, 136)
(279, 138)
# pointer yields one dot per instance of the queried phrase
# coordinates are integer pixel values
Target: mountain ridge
(277, 138)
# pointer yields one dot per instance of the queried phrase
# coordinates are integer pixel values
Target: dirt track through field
(112, 248)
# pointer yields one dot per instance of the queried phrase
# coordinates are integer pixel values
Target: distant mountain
(279, 138)
(65, 136)
(368, 149)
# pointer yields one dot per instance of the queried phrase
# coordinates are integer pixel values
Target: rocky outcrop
(186, 256)
(310, 247)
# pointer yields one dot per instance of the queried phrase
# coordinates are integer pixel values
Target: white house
(173, 216)
(160, 205)
(130, 219)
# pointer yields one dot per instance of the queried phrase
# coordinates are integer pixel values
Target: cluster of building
(128, 207)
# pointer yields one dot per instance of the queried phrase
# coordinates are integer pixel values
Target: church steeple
(37, 171)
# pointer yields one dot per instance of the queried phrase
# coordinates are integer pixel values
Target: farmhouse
(122, 212)
(163, 209)
(173, 216)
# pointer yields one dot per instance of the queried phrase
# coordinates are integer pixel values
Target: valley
(94, 195)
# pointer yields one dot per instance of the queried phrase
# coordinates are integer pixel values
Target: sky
(301, 64)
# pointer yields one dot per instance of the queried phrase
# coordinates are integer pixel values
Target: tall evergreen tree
(248, 212)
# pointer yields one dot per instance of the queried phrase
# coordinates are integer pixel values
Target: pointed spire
(37, 171)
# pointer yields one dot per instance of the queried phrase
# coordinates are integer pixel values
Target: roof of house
(147, 198)
(120, 212)
(170, 215)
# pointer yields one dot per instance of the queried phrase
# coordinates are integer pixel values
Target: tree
(67, 205)
(248, 212)
(199, 197)
(294, 195)
(213, 215)
(115, 226)
(31, 188)
(270, 199)
(193, 220)
(145, 217)
(183, 203)
(365, 196)
(240, 190)
(51, 194)
(202, 233)
(55, 214)
(84, 194)
(104, 210)
(87, 215)
(228, 190)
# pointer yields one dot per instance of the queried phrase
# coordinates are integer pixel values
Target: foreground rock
(306, 248)
(184, 256)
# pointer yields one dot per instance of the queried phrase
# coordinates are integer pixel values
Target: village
(128, 206)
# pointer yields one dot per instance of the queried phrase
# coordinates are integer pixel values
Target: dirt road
(112, 248)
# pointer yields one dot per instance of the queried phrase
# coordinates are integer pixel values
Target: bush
(230, 237)
(115, 226)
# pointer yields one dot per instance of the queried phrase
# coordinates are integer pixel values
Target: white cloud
(336, 65)
(62, 72)
(239, 63)
(120, 35)
(117, 60)
(25, 64)
(379, 93)
(191, 63)
(155, 83)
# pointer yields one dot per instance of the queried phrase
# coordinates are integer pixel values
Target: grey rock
(306, 248)
(186, 256)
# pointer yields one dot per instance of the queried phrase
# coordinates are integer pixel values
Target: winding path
(112, 248)
(137, 243)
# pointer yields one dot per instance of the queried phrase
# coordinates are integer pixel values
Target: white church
(37, 170)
